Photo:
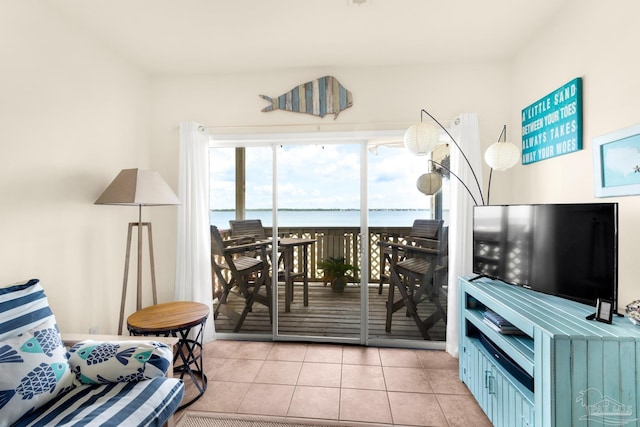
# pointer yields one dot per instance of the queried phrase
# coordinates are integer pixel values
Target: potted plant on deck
(337, 272)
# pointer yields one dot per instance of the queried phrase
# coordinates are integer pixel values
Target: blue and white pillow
(23, 306)
(33, 364)
(99, 362)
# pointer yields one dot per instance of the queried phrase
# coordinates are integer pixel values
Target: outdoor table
(288, 244)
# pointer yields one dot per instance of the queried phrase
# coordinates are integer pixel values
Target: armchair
(247, 273)
(418, 271)
(425, 232)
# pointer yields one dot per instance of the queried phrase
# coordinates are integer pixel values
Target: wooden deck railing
(342, 242)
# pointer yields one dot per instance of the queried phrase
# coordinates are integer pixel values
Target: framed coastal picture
(616, 163)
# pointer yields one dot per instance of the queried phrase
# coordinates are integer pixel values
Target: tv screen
(568, 250)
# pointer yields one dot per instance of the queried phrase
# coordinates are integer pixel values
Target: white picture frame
(616, 163)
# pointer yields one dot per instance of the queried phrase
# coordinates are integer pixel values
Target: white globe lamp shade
(502, 156)
(421, 138)
(429, 183)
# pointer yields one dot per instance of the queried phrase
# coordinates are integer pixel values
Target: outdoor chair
(418, 271)
(248, 274)
(426, 232)
(441, 274)
(251, 230)
(248, 228)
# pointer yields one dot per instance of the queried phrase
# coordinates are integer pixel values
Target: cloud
(622, 160)
(384, 177)
(316, 176)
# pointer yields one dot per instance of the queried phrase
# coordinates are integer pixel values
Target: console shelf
(519, 348)
(563, 370)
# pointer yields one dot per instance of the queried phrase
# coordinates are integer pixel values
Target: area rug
(208, 419)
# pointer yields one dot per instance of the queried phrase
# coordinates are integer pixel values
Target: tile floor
(380, 386)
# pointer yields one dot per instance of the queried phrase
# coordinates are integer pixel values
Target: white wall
(71, 116)
(388, 97)
(597, 41)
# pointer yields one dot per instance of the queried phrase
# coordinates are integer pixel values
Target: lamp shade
(136, 187)
(421, 138)
(502, 155)
(429, 183)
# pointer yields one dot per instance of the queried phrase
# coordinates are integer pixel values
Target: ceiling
(166, 37)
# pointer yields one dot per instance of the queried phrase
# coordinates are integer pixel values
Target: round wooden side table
(177, 319)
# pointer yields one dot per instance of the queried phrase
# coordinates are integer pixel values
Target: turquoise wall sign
(552, 126)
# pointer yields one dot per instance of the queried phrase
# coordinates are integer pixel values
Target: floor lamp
(134, 187)
(421, 138)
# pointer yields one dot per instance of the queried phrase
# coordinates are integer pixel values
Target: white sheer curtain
(466, 132)
(193, 252)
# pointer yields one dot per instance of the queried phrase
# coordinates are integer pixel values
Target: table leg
(305, 277)
(288, 279)
(189, 352)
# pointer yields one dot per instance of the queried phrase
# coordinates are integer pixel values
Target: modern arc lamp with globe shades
(134, 187)
(421, 138)
(501, 155)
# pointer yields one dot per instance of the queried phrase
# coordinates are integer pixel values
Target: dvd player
(507, 363)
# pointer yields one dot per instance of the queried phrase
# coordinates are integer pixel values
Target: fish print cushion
(99, 362)
(33, 370)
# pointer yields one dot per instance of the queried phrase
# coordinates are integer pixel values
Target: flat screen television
(568, 250)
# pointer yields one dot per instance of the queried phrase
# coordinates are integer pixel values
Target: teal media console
(561, 370)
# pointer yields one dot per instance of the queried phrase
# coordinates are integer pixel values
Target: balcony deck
(331, 314)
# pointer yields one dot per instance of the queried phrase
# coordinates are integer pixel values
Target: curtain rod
(317, 127)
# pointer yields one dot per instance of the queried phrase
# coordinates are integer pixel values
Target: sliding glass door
(323, 202)
(395, 204)
(241, 189)
(319, 224)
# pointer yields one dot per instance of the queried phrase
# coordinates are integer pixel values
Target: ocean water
(326, 218)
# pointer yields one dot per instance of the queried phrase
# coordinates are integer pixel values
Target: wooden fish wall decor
(318, 97)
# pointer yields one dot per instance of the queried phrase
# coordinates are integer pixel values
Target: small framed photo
(616, 163)
(604, 310)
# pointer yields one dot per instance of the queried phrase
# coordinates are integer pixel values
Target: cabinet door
(476, 369)
(465, 362)
(500, 400)
(475, 375)
(509, 408)
(490, 385)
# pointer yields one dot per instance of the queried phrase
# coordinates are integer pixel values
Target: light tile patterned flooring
(380, 386)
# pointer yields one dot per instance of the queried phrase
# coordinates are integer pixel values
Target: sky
(622, 162)
(319, 177)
